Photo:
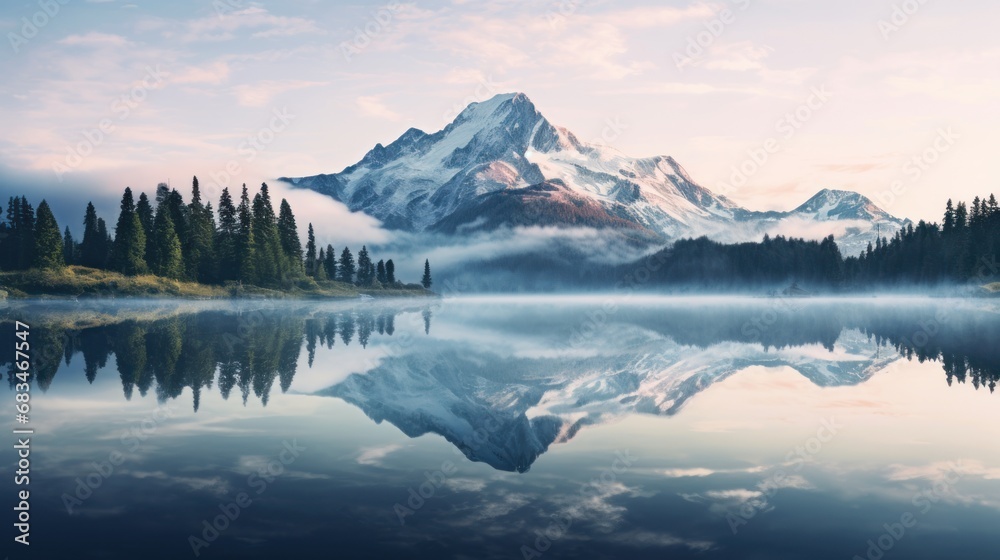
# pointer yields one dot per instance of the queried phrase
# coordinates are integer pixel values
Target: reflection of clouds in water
(372, 456)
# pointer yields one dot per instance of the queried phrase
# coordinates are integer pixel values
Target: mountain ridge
(436, 182)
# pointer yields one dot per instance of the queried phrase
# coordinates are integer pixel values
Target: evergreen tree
(130, 240)
(319, 266)
(291, 245)
(26, 235)
(145, 212)
(227, 238)
(330, 263)
(48, 251)
(269, 262)
(346, 268)
(181, 218)
(69, 248)
(390, 272)
(380, 273)
(246, 245)
(310, 264)
(364, 267)
(105, 245)
(93, 252)
(167, 259)
(426, 280)
(199, 255)
(961, 216)
(949, 217)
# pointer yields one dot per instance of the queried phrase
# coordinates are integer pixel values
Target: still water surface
(514, 428)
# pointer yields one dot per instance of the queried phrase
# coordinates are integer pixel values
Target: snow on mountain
(449, 181)
(474, 399)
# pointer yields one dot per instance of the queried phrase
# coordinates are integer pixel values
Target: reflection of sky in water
(694, 467)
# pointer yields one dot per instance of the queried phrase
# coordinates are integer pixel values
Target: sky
(766, 101)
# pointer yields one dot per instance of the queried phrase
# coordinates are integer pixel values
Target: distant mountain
(507, 411)
(506, 405)
(501, 163)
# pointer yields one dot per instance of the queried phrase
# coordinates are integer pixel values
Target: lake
(513, 427)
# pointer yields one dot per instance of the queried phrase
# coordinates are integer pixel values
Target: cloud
(211, 73)
(683, 473)
(224, 27)
(374, 107)
(260, 94)
(94, 39)
(372, 456)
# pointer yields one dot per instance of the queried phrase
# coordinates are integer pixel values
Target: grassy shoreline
(81, 282)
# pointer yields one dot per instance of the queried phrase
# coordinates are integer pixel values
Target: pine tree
(48, 251)
(319, 266)
(310, 263)
(199, 254)
(390, 272)
(105, 244)
(130, 240)
(93, 252)
(291, 245)
(246, 245)
(26, 235)
(380, 273)
(961, 216)
(144, 210)
(346, 267)
(167, 258)
(227, 238)
(330, 263)
(949, 217)
(426, 280)
(269, 261)
(364, 267)
(69, 248)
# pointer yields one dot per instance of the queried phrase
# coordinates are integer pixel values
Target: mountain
(507, 410)
(502, 164)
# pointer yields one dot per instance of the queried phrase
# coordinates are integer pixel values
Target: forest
(243, 242)
(960, 250)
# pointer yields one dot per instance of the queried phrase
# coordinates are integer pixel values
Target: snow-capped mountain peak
(426, 182)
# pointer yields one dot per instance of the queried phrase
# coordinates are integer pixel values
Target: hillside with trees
(165, 245)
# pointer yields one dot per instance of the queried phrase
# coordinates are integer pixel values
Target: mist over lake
(502, 427)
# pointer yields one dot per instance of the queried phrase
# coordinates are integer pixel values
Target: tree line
(962, 249)
(245, 241)
(199, 351)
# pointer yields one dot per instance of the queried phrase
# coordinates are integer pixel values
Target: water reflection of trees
(246, 352)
